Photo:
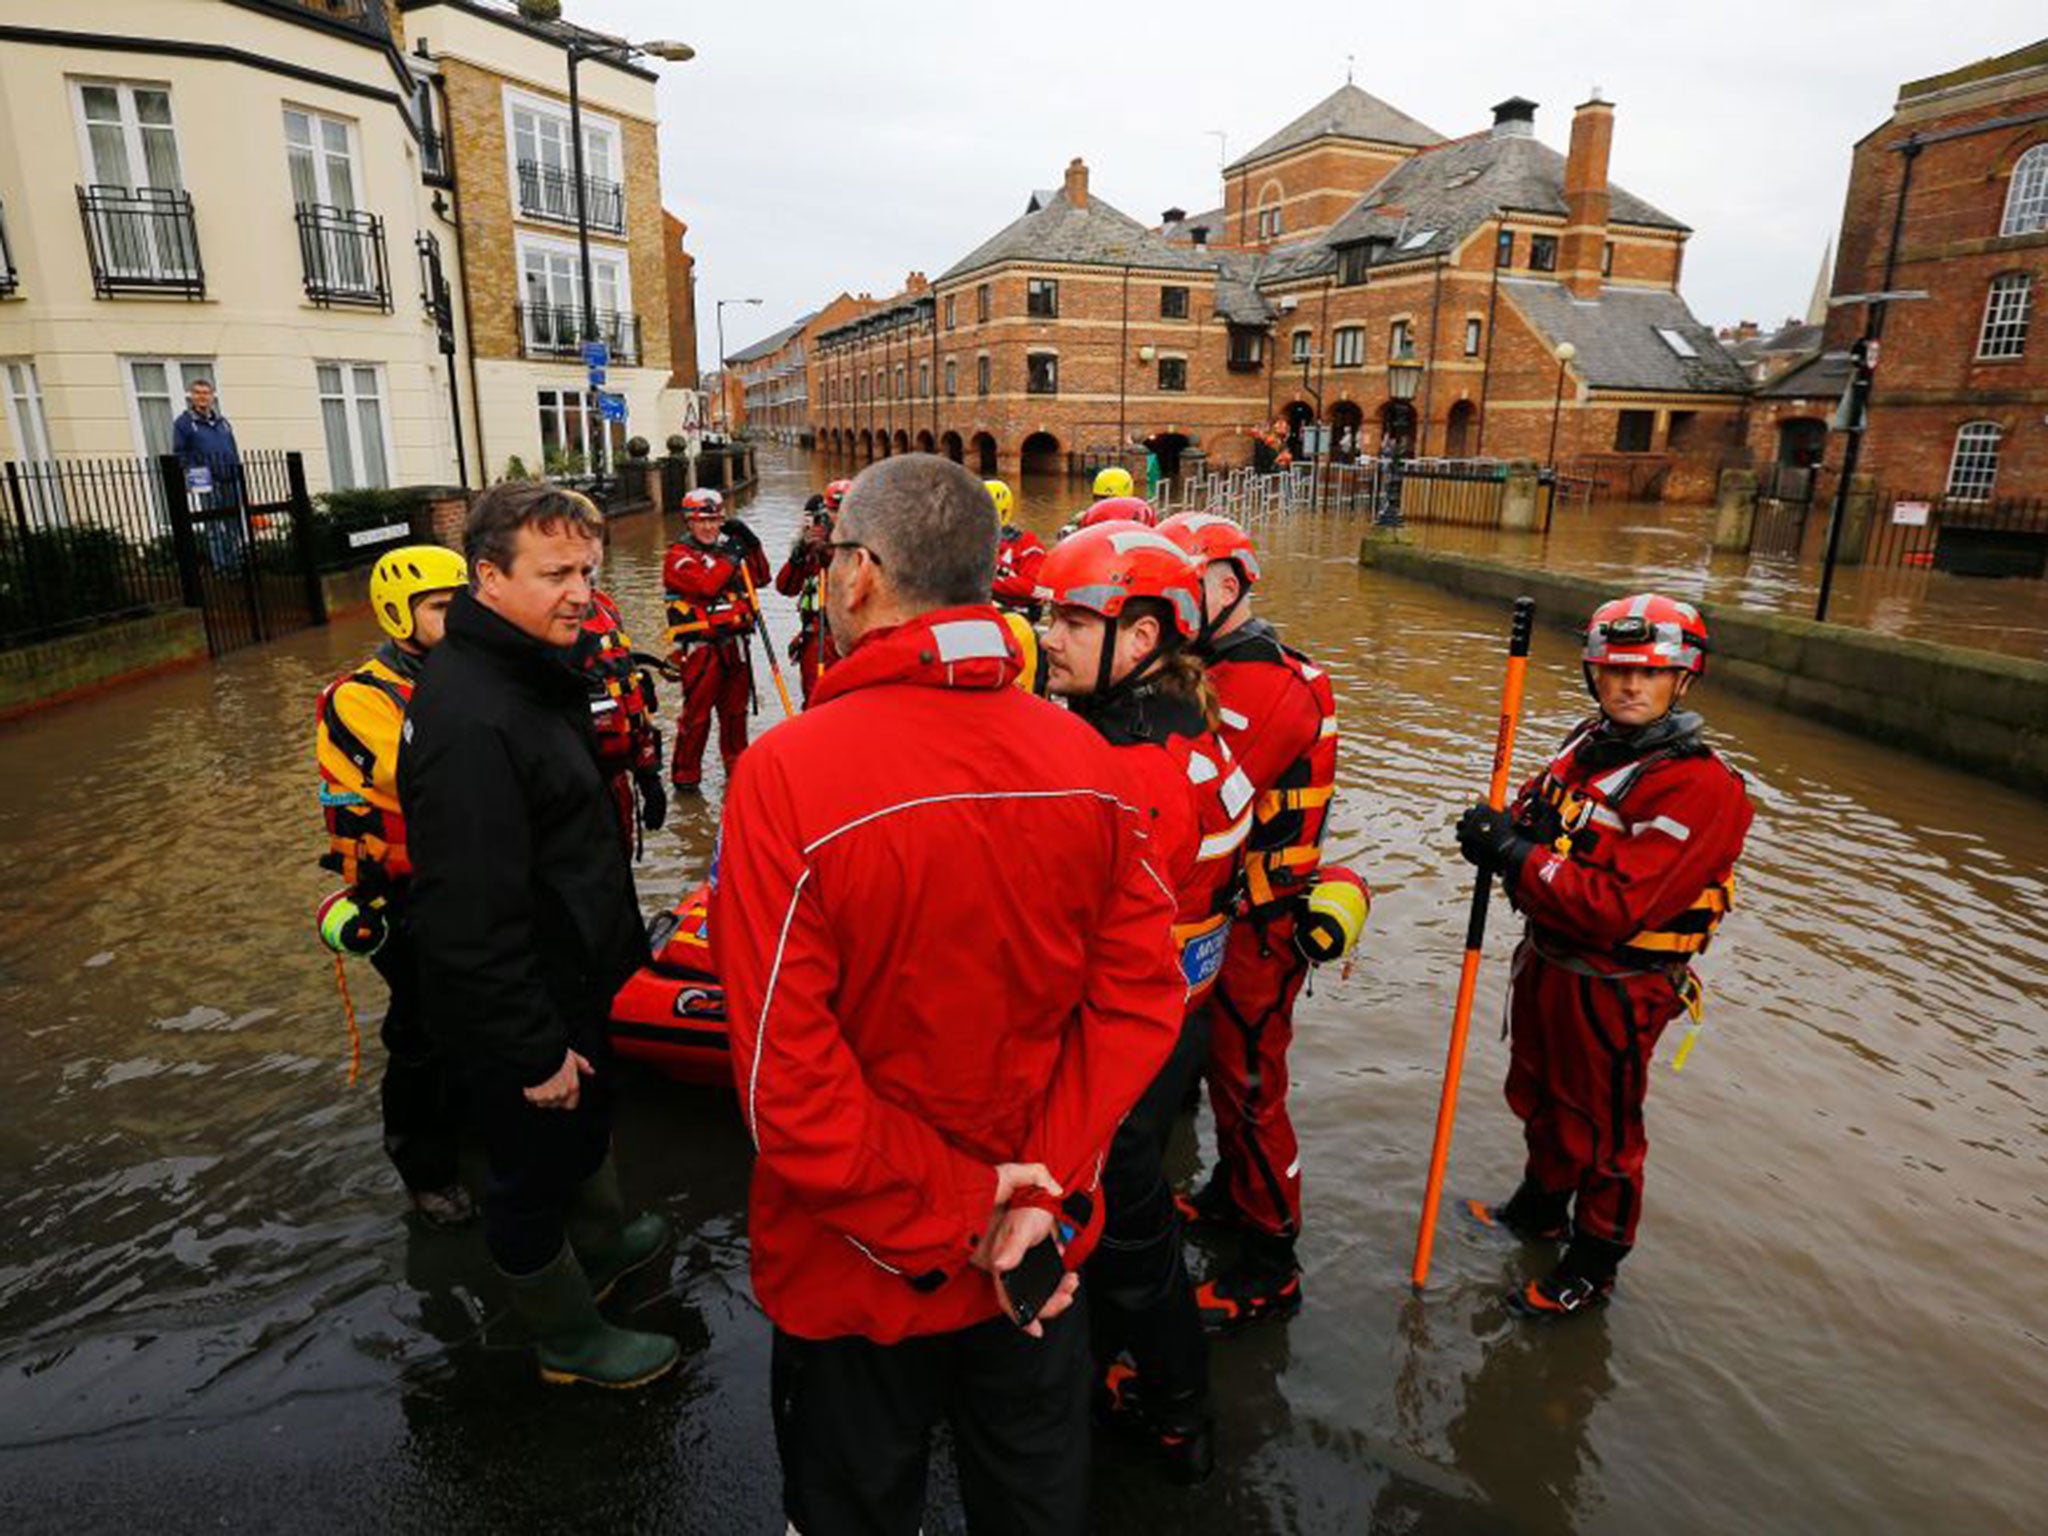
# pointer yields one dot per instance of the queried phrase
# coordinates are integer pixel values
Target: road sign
(596, 354)
(611, 407)
(597, 378)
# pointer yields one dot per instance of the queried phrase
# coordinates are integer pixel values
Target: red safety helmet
(703, 501)
(1119, 509)
(835, 493)
(1647, 631)
(1103, 567)
(1206, 537)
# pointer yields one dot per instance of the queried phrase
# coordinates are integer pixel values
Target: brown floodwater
(212, 1312)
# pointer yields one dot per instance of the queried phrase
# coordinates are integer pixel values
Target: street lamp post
(1404, 377)
(1565, 353)
(581, 48)
(725, 414)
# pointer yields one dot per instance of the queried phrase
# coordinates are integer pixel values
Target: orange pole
(1475, 936)
(768, 645)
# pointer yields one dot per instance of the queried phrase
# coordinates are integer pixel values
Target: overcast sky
(818, 147)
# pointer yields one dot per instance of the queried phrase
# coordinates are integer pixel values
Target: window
(1678, 434)
(340, 247)
(2026, 200)
(1607, 259)
(1974, 469)
(26, 424)
(1418, 239)
(1269, 222)
(1347, 346)
(981, 374)
(1504, 249)
(1352, 263)
(1042, 373)
(568, 437)
(1041, 297)
(551, 287)
(898, 395)
(138, 217)
(952, 378)
(352, 411)
(157, 387)
(1400, 342)
(544, 167)
(129, 136)
(1543, 253)
(319, 154)
(949, 311)
(1298, 348)
(1474, 330)
(1247, 348)
(1173, 303)
(1173, 373)
(981, 304)
(1633, 431)
(862, 384)
(2006, 307)
(924, 381)
(1677, 342)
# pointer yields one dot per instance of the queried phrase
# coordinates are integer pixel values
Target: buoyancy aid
(1292, 810)
(356, 737)
(621, 697)
(1578, 802)
(707, 594)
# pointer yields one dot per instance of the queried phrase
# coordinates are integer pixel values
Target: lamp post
(1404, 378)
(1565, 353)
(724, 415)
(581, 47)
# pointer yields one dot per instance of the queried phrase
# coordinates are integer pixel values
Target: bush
(515, 469)
(337, 514)
(59, 576)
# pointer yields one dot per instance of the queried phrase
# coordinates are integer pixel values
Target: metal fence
(82, 541)
(1963, 538)
(1462, 492)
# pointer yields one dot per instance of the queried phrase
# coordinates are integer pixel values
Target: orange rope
(355, 1033)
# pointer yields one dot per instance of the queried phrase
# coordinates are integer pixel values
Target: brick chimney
(916, 283)
(1077, 182)
(1584, 248)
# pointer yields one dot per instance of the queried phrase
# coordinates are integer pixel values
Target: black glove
(740, 536)
(653, 798)
(1488, 838)
(816, 503)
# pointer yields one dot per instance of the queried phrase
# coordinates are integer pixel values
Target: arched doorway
(1169, 446)
(1040, 455)
(867, 443)
(951, 446)
(1397, 427)
(901, 442)
(1458, 430)
(1802, 442)
(1347, 422)
(984, 454)
(924, 442)
(1299, 414)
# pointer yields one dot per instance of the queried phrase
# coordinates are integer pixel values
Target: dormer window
(1352, 262)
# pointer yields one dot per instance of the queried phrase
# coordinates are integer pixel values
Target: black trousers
(537, 1159)
(854, 1419)
(422, 1110)
(1139, 1295)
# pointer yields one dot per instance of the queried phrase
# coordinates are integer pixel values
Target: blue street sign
(597, 378)
(611, 407)
(596, 354)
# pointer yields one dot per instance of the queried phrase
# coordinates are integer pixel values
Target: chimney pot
(1514, 118)
(1174, 216)
(1077, 182)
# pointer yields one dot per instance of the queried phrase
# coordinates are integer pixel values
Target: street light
(579, 48)
(724, 416)
(1565, 353)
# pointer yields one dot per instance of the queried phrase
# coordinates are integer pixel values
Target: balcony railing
(8, 281)
(548, 193)
(342, 251)
(556, 330)
(143, 241)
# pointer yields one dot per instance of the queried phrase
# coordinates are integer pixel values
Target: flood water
(212, 1313)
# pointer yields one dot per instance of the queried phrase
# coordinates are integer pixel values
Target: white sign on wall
(1910, 514)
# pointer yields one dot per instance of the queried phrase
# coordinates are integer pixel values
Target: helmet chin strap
(1107, 690)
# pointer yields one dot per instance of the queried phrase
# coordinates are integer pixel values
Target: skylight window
(1463, 178)
(1676, 341)
(1418, 240)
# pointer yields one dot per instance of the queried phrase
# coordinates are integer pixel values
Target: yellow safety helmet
(1113, 482)
(408, 573)
(1032, 678)
(1333, 915)
(999, 493)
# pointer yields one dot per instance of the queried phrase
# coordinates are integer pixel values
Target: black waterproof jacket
(522, 898)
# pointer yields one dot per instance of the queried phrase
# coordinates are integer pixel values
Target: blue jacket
(209, 440)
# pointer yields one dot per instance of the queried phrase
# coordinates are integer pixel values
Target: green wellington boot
(607, 1245)
(574, 1341)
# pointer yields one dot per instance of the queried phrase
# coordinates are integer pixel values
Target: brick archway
(901, 442)
(951, 446)
(984, 454)
(867, 443)
(1039, 454)
(925, 443)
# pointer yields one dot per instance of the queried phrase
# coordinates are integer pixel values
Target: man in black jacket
(527, 922)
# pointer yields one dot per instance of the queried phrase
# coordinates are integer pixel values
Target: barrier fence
(1462, 492)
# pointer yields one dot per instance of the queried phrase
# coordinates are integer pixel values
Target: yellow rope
(355, 1033)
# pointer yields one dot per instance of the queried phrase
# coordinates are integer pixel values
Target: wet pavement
(212, 1313)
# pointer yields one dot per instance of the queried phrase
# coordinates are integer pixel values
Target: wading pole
(768, 645)
(1475, 935)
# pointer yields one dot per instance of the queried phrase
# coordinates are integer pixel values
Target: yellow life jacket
(355, 743)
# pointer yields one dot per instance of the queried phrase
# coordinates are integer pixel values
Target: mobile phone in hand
(1030, 1285)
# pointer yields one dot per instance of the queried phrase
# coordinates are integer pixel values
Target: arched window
(2006, 306)
(1973, 469)
(2026, 200)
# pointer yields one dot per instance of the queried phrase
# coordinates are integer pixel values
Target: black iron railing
(142, 241)
(8, 281)
(342, 252)
(548, 193)
(82, 541)
(556, 330)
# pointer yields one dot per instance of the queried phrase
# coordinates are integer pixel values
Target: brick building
(1482, 295)
(1948, 196)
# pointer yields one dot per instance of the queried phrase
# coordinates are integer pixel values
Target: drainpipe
(1436, 299)
(1486, 368)
(1123, 367)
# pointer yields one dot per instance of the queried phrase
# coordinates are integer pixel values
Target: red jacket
(1019, 554)
(621, 695)
(707, 595)
(1648, 850)
(944, 946)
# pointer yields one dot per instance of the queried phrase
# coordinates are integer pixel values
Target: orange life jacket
(621, 712)
(358, 760)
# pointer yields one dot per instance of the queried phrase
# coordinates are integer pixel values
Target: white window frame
(593, 463)
(1401, 341)
(1347, 347)
(29, 432)
(1300, 348)
(613, 170)
(600, 256)
(1974, 461)
(352, 153)
(174, 367)
(131, 124)
(1475, 335)
(2008, 305)
(352, 419)
(2026, 195)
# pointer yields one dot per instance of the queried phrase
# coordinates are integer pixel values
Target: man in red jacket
(622, 705)
(1018, 553)
(710, 576)
(947, 962)
(803, 577)
(1622, 855)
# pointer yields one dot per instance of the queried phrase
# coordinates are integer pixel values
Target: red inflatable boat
(671, 1014)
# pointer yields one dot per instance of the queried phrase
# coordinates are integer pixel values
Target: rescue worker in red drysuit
(947, 965)
(1124, 603)
(711, 615)
(622, 706)
(802, 577)
(1621, 854)
(1280, 722)
(1018, 554)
